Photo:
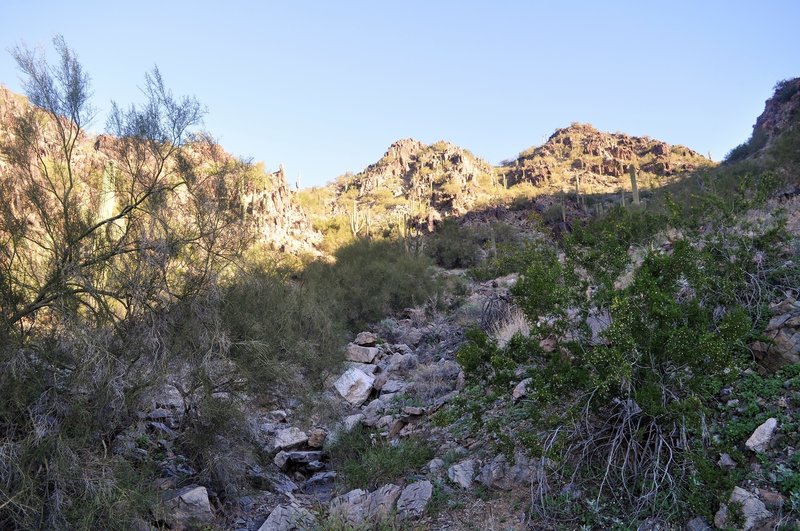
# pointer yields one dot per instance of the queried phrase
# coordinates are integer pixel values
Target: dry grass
(514, 323)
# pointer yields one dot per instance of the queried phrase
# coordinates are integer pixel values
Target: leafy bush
(369, 280)
(453, 246)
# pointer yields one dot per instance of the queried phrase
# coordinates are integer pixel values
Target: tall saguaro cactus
(634, 186)
(357, 220)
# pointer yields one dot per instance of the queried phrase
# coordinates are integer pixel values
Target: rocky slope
(264, 202)
(600, 160)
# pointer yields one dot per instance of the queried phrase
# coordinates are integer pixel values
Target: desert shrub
(283, 333)
(369, 280)
(368, 461)
(453, 246)
(509, 258)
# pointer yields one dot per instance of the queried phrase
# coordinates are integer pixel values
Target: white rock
(289, 518)
(188, 506)
(289, 438)
(462, 473)
(360, 354)
(354, 386)
(759, 441)
(414, 500)
(350, 507)
(366, 368)
(521, 389)
(753, 509)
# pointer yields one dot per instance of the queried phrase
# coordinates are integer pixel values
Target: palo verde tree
(109, 255)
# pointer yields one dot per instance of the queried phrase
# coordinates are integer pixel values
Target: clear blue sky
(325, 87)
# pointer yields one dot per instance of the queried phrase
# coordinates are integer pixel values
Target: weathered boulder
(462, 473)
(761, 438)
(350, 507)
(697, 524)
(781, 345)
(493, 472)
(289, 438)
(316, 437)
(366, 339)
(753, 510)
(361, 354)
(354, 386)
(414, 500)
(188, 507)
(308, 459)
(289, 518)
(381, 502)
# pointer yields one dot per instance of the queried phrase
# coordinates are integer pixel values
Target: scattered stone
(316, 437)
(187, 507)
(393, 387)
(366, 368)
(753, 509)
(521, 389)
(698, 524)
(414, 500)
(289, 438)
(350, 508)
(380, 503)
(414, 411)
(354, 386)
(760, 439)
(320, 485)
(436, 465)
(773, 500)
(462, 473)
(360, 354)
(289, 518)
(277, 415)
(493, 472)
(373, 412)
(366, 339)
(726, 462)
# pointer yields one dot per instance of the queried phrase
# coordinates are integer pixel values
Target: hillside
(415, 186)
(262, 200)
(479, 349)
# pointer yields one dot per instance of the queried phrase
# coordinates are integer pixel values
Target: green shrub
(367, 461)
(370, 280)
(453, 246)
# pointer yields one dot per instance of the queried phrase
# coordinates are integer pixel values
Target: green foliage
(453, 246)
(371, 279)
(478, 350)
(367, 461)
(282, 333)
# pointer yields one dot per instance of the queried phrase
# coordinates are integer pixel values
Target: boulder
(462, 473)
(289, 438)
(316, 437)
(289, 518)
(493, 472)
(760, 439)
(350, 508)
(414, 500)
(354, 386)
(366, 339)
(521, 389)
(393, 386)
(753, 509)
(381, 502)
(351, 421)
(367, 368)
(697, 524)
(188, 507)
(726, 462)
(360, 354)
(320, 485)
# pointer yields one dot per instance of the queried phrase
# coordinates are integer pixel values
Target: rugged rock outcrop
(600, 161)
(261, 202)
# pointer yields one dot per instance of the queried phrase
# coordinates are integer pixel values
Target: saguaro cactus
(357, 220)
(634, 186)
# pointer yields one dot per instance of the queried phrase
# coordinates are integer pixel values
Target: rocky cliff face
(263, 201)
(600, 161)
(780, 115)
